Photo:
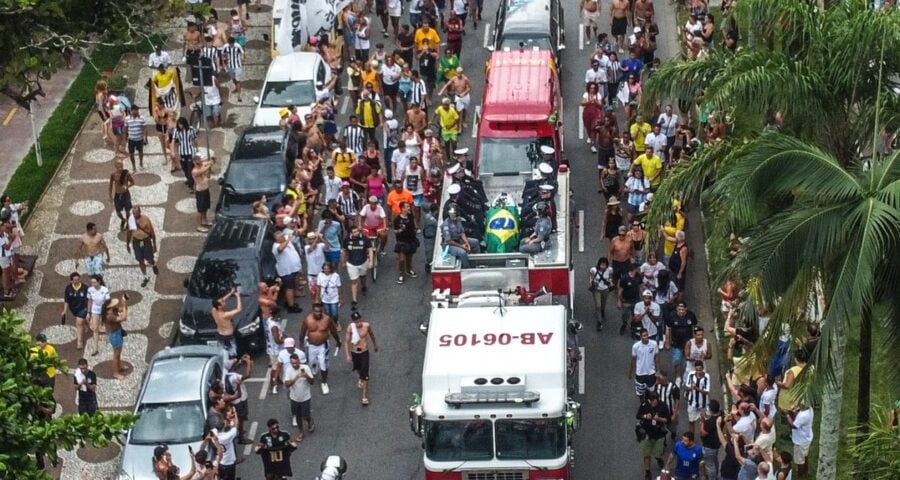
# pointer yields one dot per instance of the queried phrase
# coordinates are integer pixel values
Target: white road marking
(580, 373)
(581, 230)
(344, 104)
(580, 124)
(255, 380)
(251, 434)
(265, 387)
(581, 36)
(476, 119)
(487, 34)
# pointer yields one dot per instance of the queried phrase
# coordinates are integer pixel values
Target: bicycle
(376, 245)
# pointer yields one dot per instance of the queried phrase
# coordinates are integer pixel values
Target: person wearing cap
(644, 207)
(460, 157)
(356, 351)
(283, 361)
(44, 348)
(548, 156)
(373, 221)
(461, 88)
(357, 256)
(448, 119)
(548, 196)
(646, 314)
(298, 378)
(539, 239)
(680, 327)
(653, 416)
(454, 239)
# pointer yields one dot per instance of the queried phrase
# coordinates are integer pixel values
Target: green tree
(820, 206)
(36, 33)
(26, 432)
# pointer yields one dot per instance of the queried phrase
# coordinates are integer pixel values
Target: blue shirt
(332, 234)
(634, 67)
(688, 460)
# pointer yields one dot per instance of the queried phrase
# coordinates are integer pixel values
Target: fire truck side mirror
(573, 415)
(415, 419)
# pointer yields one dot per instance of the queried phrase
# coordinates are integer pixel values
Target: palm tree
(819, 207)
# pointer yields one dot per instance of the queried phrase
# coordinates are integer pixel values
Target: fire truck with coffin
(501, 356)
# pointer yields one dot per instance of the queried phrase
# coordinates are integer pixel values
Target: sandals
(365, 402)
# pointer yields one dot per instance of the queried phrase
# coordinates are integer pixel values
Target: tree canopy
(35, 34)
(26, 431)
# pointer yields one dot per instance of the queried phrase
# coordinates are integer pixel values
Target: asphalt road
(376, 440)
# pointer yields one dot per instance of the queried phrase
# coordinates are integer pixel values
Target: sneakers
(294, 309)
(411, 273)
(325, 389)
(156, 270)
(274, 389)
(400, 280)
(145, 282)
(293, 421)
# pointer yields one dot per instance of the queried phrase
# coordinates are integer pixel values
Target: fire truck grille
(496, 476)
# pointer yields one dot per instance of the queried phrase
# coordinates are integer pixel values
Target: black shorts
(604, 155)
(361, 364)
(620, 269)
(143, 250)
(135, 146)
(289, 279)
(390, 90)
(301, 409)
(87, 407)
(161, 127)
(227, 472)
(405, 248)
(619, 26)
(242, 409)
(202, 197)
(122, 202)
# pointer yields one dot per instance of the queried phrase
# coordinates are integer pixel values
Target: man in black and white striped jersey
(233, 59)
(670, 395)
(696, 393)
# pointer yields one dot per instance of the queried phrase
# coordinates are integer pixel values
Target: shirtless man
(268, 297)
(201, 174)
(224, 327)
(142, 237)
(315, 329)
(92, 246)
(461, 88)
(620, 252)
(358, 335)
(193, 40)
(590, 15)
(120, 180)
(618, 17)
(416, 117)
(605, 141)
(643, 13)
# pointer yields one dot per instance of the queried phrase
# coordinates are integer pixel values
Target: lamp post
(37, 144)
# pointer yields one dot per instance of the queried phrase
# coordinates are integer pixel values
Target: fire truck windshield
(530, 439)
(459, 440)
(508, 155)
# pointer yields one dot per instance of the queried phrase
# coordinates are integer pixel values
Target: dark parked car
(237, 253)
(530, 24)
(258, 167)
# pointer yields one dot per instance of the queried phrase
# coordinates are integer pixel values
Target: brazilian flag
(502, 229)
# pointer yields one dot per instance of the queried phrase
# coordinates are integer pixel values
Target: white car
(291, 80)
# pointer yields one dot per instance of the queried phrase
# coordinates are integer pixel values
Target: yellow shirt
(342, 163)
(449, 118)
(370, 76)
(651, 166)
(639, 132)
(668, 245)
(50, 352)
(164, 79)
(788, 398)
(432, 37)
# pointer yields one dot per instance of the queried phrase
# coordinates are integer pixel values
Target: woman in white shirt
(413, 141)
(650, 269)
(98, 294)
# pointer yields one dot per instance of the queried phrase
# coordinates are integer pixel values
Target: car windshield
(531, 439)
(214, 277)
(514, 42)
(459, 440)
(509, 155)
(168, 423)
(255, 177)
(282, 94)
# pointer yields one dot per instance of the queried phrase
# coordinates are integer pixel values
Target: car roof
(235, 234)
(293, 67)
(527, 16)
(181, 366)
(260, 143)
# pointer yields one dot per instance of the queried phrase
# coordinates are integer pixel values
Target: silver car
(172, 407)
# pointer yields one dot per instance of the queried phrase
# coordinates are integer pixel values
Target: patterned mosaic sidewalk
(78, 195)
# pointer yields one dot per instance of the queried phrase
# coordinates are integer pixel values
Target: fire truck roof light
(459, 399)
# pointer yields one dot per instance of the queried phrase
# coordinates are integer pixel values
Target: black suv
(258, 167)
(530, 24)
(237, 253)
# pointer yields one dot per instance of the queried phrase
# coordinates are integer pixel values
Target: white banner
(303, 18)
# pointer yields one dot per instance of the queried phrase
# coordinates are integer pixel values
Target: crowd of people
(645, 272)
